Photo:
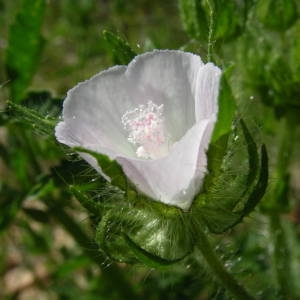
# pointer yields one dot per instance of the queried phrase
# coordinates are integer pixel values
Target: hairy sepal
(150, 233)
(236, 183)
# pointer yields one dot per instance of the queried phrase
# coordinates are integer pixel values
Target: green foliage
(295, 51)
(146, 232)
(24, 47)
(220, 17)
(194, 19)
(32, 118)
(226, 112)
(9, 206)
(236, 183)
(109, 167)
(227, 18)
(277, 14)
(119, 49)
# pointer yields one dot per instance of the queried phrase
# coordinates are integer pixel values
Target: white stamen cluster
(145, 125)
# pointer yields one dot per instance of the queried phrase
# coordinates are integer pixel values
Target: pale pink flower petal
(183, 87)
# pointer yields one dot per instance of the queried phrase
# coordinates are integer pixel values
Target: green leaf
(226, 18)
(277, 14)
(32, 118)
(194, 19)
(24, 46)
(227, 108)
(120, 50)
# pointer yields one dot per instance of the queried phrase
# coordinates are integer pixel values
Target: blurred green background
(74, 48)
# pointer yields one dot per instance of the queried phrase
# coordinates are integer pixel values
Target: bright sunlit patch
(145, 125)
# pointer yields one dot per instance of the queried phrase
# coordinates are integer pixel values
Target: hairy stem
(219, 271)
(210, 31)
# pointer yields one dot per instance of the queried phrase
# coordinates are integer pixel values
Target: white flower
(155, 117)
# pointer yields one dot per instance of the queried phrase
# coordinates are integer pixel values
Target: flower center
(145, 125)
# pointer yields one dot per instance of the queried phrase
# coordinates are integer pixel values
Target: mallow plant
(178, 164)
(164, 136)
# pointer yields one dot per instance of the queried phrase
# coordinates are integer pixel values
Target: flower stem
(112, 275)
(210, 31)
(219, 271)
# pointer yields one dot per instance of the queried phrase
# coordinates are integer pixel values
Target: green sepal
(277, 14)
(227, 109)
(261, 184)
(215, 156)
(25, 44)
(120, 50)
(109, 236)
(109, 167)
(253, 157)
(93, 192)
(234, 188)
(147, 258)
(75, 172)
(145, 232)
(92, 206)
